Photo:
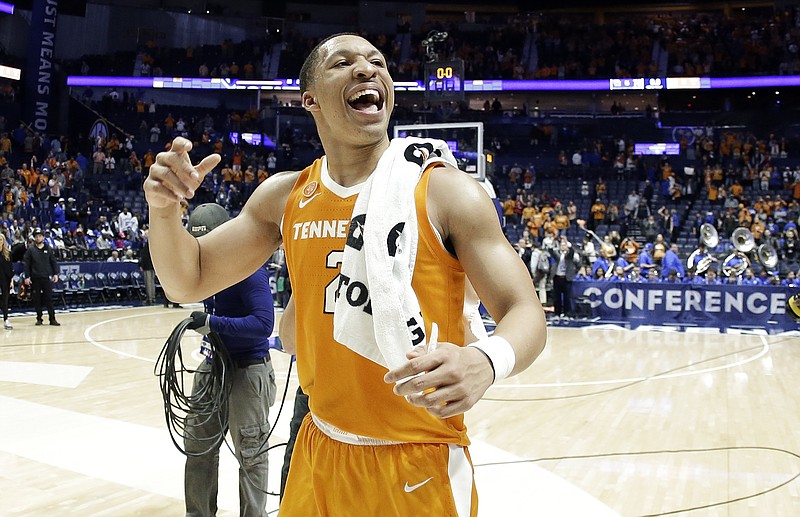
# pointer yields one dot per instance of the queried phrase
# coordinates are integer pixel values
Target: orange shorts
(331, 478)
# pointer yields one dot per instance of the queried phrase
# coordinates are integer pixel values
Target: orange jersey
(344, 388)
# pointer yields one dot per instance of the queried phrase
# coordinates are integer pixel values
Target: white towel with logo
(384, 219)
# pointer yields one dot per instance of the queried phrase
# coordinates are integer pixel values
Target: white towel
(380, 255)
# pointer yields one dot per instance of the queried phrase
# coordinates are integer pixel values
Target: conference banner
(40, 78)
(690, 305)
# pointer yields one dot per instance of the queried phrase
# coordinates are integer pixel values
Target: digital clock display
(444, 80)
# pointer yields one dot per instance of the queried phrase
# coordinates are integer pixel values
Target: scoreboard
(444, 80)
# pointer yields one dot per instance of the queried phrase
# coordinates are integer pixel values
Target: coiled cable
(185, 411)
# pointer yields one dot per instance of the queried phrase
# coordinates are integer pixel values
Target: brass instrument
(737, 269)
(743, 243)
(659, 250)
(709, 236)
(767, 256)
(710, 239)
(608, 250)
(743, 239)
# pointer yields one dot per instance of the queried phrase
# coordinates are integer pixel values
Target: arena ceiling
(277, 8)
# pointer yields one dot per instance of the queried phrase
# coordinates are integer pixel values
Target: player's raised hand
(173, 178)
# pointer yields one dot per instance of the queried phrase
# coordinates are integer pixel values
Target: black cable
(670, 451)
(185, 411)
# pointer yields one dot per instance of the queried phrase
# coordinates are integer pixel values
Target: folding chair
(116, 282)
(104, 282)
(95, 287)
(137, 285)
(58, 291)
(77, 290)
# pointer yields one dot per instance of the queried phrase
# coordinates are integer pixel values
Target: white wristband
(500, 353)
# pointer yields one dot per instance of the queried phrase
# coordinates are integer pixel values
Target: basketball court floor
(607, 422)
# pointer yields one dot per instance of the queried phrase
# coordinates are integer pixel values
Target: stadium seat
(77, 290)
(137, 285)
(59, 289)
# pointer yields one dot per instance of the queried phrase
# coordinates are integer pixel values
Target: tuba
(608, 250)
(710, 239)
(767, 256)
(709, 236)
(737, 262)
(743, 240)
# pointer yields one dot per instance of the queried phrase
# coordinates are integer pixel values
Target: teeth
(356, 96)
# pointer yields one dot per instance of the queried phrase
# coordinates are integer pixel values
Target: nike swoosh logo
(411, 488)
(304, 202)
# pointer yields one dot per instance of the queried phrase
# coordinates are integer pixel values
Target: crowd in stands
(733, 180)
(50, 189)
(86, 193)
(83, 201)
(521, 46)
(640, 220)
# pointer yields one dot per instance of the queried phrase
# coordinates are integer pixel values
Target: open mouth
(366, 101)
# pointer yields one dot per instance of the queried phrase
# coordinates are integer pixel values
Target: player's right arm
(192, 269)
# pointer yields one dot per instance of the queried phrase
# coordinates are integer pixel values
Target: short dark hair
(309, 69)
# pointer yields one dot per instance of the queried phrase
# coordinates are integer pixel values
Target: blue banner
(79, 268)
(691, 305)
(39, 74)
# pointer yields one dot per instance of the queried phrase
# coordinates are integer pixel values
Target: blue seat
(118, 281)
(95, 288)
(59, 289)
(75, 288)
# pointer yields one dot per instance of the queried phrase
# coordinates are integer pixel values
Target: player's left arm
(286, 328)
(465, 217)
(492, 265)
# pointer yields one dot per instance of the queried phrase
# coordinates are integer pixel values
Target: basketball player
(371, 445)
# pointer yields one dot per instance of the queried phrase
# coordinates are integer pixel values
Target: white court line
(145, 459)
(511, 489)
(761, 353)
(553, 495)
(764, 350)
(132, 455)
(87, 334)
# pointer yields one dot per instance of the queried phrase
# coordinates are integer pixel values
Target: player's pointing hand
(173, 177)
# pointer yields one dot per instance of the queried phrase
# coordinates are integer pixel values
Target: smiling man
(385, 434)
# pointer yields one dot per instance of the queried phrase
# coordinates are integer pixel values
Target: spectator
(6, 279)
(99, 161)
(40, 269)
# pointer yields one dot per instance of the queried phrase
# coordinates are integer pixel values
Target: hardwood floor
(606, 421)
